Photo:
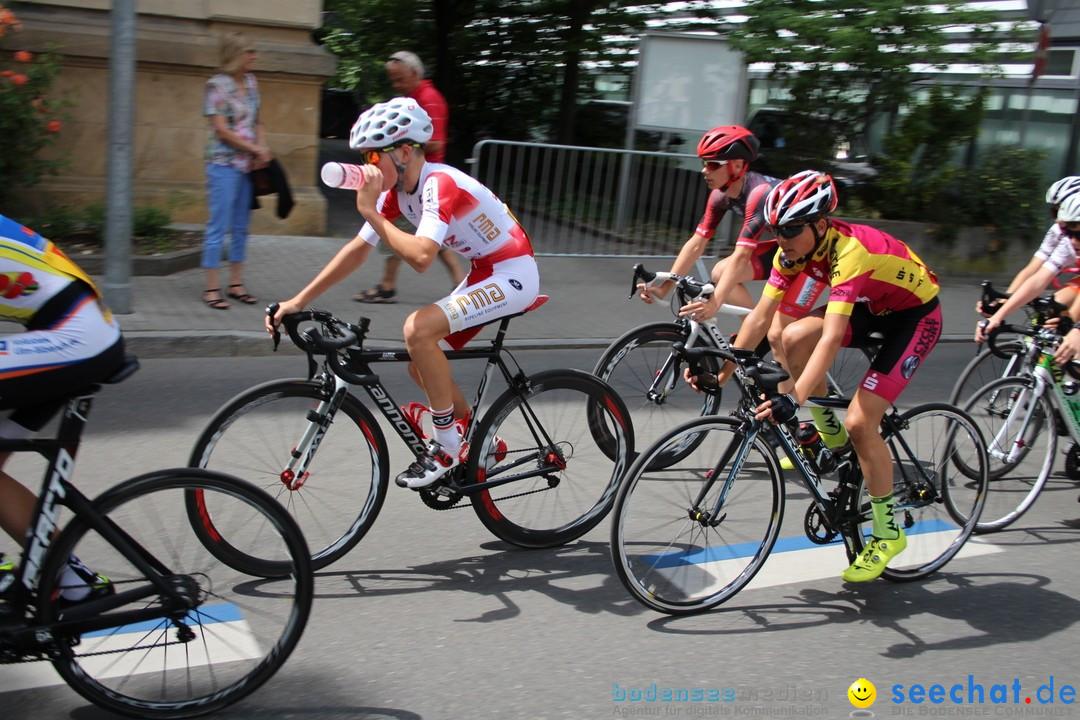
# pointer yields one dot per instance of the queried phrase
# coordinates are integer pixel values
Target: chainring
(816, 527)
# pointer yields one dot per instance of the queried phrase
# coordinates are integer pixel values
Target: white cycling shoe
(428, 467)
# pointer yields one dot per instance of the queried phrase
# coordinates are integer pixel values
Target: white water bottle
(342, 175)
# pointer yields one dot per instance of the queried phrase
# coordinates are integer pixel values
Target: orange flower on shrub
(6, 73)
(23, 56)
(19, 79)
(53, 126)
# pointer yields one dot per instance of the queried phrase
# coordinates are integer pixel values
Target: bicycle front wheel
(642, 368)
(233, 630)
(335, 501)
(687, 537)
(546, 452)
(936, 503)
(1021, 437)
(986, 367)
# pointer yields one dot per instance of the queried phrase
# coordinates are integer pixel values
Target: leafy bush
(29, 118)
(87, 224)
(1008, 193)
(150, 221)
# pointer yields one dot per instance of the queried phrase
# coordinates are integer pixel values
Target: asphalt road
(431, 617)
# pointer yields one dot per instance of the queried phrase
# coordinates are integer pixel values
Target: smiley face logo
(862, 693)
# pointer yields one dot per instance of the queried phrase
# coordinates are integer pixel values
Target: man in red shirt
(406, 74)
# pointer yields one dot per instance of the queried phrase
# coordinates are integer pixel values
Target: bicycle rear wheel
(546, 441)
(254, 436)
(642, 361)
(229, 639)
(1021, 437)
(935, 502)
(671, 557)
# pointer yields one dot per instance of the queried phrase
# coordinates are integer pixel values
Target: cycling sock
(831, 429)
(445, 431)
(884, 523)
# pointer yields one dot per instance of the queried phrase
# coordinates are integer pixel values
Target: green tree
(845, 62)
(916, 180)
(509, 69)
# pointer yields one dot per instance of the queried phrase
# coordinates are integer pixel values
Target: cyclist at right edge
(877, 284)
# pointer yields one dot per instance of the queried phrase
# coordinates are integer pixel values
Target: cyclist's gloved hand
(702, 380)
(782, 408)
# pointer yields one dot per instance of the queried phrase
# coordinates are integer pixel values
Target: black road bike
(184, 631)
(541, 459)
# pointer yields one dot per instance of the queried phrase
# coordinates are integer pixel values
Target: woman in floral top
(234, 148)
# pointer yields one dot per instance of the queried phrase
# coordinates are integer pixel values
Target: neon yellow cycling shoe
(875, 556)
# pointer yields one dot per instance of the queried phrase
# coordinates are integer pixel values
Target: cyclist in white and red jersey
(878, 285)
(1057, 252)
(70, 341)
(449, 209)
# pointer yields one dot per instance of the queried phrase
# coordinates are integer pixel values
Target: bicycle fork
(1021, 410)
(295, 473)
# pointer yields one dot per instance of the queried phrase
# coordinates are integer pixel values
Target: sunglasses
(370, 157)
(1072, 230)
(788, 231)
(714, 165)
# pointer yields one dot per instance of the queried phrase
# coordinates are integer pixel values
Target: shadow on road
(577, 575)
(988, 603)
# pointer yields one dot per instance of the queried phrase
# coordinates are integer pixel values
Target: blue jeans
(229, 201)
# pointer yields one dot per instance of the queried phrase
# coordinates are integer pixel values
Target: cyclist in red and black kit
(726, 153)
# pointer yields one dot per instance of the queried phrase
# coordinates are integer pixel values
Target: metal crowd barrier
(595, 201)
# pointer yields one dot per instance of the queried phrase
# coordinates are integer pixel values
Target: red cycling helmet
(728, 142)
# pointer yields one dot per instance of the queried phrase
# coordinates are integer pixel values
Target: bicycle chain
(429, 496)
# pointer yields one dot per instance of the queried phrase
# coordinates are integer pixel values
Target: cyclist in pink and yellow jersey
(877, 285)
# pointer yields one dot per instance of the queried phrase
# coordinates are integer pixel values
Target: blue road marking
(204, 615)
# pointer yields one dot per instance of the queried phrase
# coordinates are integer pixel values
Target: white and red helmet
(802, 198)
(394, 122)
(1062, 189)
(1069, 210)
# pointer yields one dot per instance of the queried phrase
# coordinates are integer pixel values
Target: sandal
(376, 295)
(218, 303)
(242, 297)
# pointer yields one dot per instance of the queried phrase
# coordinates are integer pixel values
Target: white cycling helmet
(1062, 189)
(1069, 210)
(394, 122)
(802, 198)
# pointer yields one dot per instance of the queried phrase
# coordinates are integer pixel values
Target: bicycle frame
(829, 505)
(1046, 374)
(361, 359)
(57, 491)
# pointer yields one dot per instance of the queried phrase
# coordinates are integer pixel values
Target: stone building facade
(176, 51)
